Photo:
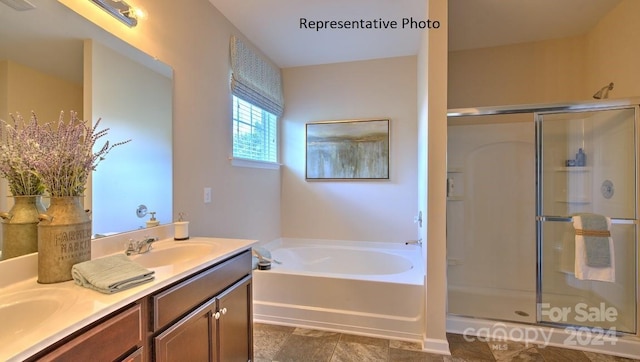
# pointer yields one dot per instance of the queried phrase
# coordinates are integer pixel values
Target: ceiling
(274, 25)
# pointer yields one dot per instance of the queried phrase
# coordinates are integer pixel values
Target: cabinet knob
(224, 311)
(216, 315)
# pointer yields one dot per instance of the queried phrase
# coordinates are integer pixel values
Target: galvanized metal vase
(20, 226)
(64, 239)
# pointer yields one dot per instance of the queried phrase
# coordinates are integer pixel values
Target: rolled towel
(110, 274)
(595, 231)
(594, 251)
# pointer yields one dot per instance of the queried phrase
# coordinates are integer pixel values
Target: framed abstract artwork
(347, 150)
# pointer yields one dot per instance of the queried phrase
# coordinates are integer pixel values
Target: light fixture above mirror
(120, 10)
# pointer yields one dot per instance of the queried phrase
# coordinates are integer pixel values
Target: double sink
(27, 309)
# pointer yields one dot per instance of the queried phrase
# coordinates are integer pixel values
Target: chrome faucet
(140, 246)
(414, 242)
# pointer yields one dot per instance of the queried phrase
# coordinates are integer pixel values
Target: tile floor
(282, 344)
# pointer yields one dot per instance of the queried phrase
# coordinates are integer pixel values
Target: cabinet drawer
(107, 341)
(172, 303)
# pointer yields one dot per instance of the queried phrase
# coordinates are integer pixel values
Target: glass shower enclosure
(586, 167)
(542, 219)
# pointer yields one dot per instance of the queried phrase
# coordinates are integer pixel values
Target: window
(255, 132)
(258, 102)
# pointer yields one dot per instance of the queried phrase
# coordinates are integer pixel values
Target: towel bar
(570, 219)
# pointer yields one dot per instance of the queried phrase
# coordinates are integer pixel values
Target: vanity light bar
(120, 10)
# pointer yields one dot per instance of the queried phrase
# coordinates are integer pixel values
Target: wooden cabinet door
(235, 341)
(190, 338)
(107, 341)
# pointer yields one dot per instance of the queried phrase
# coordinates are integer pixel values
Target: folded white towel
(589, 264)
(110, 274)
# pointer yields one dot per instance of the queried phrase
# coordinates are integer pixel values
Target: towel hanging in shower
(594, 257)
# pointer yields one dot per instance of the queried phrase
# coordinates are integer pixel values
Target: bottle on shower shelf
(581, 158)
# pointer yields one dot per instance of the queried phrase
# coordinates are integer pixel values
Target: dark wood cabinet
(118, 337)
(189, 339)
(206, 316)
(219, 330)
(235, 308)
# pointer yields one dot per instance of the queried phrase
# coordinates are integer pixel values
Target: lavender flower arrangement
(66, 154)
(18, 152)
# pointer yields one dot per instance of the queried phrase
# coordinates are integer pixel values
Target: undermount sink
(24, 311)
(173, 254)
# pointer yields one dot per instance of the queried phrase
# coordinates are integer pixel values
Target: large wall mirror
(52, 60)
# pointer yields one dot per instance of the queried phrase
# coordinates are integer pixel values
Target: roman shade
(255, 79)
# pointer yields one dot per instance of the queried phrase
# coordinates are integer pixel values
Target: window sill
(243, 162)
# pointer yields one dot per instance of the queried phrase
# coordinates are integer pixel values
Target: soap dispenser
(153, 222)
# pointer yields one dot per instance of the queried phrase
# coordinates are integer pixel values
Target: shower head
(603, 93)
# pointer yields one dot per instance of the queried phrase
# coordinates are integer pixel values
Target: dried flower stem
(66, 154)
(17, 154)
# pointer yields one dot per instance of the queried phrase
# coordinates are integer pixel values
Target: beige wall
(27, 86)
(551, 71)
(351, 210)
(612, 52)
(245, 202)
(4, 88)
(432, 156)
(537, 72)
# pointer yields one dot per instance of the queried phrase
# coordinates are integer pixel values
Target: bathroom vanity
(198, 307)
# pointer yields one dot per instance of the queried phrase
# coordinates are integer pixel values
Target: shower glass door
(491, 242)
(585, 165)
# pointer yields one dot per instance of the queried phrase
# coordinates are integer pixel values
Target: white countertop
(80, 306)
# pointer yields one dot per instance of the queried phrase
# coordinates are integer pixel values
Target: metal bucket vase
(64, 239)
(20, 226)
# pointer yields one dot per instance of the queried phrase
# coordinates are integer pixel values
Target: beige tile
(287, 344)
(411, 346)
(472, 351)
(268, 339)
(530, 354)
(357, 352)
(314, 333)
(406, 355)
(598, 357)
(514, 351)
(551, 353)
(307, 348)
(453, 359)
(370, 341)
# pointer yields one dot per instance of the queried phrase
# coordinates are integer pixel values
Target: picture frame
(347, 150)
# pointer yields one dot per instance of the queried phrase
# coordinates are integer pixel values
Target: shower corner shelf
(575, 201)
(573, 169)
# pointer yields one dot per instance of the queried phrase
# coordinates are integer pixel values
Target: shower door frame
(540, 217)
(574, 107)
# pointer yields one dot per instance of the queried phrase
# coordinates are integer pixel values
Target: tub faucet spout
(414, 242)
